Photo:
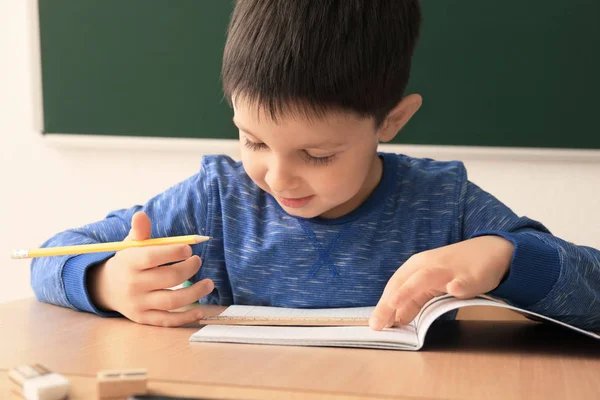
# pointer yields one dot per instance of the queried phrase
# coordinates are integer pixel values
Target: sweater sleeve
(547, 275)
(61, 280)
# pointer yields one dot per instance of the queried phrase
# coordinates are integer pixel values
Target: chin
(301, 212)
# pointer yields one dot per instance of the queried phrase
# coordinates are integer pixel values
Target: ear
(399, 116)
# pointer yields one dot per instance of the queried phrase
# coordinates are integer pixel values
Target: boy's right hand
(135, 281)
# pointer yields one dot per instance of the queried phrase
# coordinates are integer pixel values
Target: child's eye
(318, 161)
(254, 145)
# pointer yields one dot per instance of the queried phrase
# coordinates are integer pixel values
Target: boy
(314, 216)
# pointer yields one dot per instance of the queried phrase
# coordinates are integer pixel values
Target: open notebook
(408, 337)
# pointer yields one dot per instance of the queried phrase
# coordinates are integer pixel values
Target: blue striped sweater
(261, 255)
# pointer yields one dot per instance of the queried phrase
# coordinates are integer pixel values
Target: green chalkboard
(492, 73)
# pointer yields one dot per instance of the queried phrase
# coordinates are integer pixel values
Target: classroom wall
(51, 185)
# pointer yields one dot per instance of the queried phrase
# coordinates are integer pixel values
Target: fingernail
(199, 316)
(375, 323)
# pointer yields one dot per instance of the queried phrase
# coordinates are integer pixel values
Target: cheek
(253, 167)
(340, 182)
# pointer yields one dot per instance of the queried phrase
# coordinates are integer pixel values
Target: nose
(280, 175)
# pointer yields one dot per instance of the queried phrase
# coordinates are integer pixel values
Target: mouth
(295, 203)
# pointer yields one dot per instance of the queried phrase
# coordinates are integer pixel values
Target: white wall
(48, 187)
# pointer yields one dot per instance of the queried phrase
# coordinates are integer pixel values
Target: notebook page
(443, 304)
(339, 336)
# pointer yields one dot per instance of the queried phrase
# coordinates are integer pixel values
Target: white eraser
(51, 386)
(36, 382)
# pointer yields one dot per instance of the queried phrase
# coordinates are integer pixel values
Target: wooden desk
(461, 360)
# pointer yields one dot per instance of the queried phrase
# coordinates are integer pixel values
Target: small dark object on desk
(163, 397)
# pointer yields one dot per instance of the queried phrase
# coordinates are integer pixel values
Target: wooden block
(36, 382)
(121, 383)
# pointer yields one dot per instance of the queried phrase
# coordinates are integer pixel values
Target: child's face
(325, 167)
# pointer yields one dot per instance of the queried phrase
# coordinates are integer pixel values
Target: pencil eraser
(18, 254)
(36, 382)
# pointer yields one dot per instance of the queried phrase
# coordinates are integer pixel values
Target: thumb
(141, 228)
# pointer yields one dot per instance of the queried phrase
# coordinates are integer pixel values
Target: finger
(385, 314)
(171, 319)
(382, 316)
(425, 280)
(462, 288)
(412, 265)
(170, 275)
(141, 227)
(166, 299)
(397, 317)
(143, 258)
(421, 287)
(409, 310)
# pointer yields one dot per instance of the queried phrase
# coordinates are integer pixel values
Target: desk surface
(461, 360)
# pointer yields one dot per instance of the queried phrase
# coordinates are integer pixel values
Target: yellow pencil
(111, 246)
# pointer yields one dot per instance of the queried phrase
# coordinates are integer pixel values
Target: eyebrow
(332, 145)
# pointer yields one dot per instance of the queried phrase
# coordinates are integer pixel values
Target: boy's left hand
(463, 270)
